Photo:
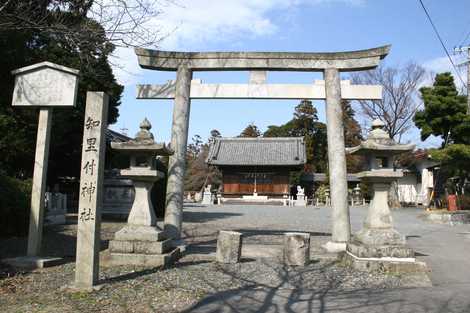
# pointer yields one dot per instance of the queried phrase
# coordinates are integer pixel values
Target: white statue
(207, 195)
(300, 197)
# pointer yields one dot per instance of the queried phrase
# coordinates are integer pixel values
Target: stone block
(383, 266)
(263, 251)
(139, 233)
(32, 262)
(380, 237)
(55, 219)
(121, 246)
(116, 259)
(365, 251)
(450, 218)
(334, 247)
(118, 196)
(297, 249)
(152, 247)
(229, 246)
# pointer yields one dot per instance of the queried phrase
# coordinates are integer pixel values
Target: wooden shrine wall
(272, 182)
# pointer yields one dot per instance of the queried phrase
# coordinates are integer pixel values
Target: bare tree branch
(399, 100)
(129, 23)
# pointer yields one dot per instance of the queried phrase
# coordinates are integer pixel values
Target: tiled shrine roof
(113, 136)
(279, 151)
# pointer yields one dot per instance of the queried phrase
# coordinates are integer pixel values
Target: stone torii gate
(332, 89)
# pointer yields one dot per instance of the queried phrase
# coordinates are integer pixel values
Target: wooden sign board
(46, 85)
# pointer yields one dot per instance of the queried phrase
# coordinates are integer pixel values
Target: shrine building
(257, 168)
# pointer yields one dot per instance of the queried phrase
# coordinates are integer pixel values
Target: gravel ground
(134, 289)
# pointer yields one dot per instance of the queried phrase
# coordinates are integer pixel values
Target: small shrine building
(257, 167)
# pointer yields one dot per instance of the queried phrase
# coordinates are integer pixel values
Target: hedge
(15, 196)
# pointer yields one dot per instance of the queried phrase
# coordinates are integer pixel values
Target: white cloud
(442, 64)
(125, 66)
(193, 22)
(189, 24)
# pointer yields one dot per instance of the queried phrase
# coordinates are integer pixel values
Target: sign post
(44, 85)
(39, 182)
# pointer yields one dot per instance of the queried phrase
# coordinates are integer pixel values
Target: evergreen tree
(444, 115)
(305, 124)
(352, 137)
(195, 147)
(444, 112)
(214, 134)
(250, 131)
(24, 47)
(352, 129)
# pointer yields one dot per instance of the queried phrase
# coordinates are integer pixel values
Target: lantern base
(141, 245)
(380, 237)
(385, 259)
(401, 252)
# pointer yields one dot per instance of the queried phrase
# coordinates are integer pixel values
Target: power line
(442, 42)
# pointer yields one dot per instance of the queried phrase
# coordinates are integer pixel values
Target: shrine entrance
(331, 89)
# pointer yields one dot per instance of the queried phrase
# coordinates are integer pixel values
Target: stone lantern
(140, 242)
(378, 244)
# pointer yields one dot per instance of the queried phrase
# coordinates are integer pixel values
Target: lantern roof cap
(378, 140)
(143, 142)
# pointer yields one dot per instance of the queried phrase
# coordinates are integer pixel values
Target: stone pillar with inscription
(43, 85)
(91, 190)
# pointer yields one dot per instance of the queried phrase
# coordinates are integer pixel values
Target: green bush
(464, 202)
(320, 193)
(15, 201)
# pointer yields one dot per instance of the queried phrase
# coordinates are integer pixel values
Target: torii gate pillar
(177, 162)
(341, 228)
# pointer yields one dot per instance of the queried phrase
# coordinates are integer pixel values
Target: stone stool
(296, 249)
(229, 247)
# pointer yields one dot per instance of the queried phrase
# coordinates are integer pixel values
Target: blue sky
(288, 25)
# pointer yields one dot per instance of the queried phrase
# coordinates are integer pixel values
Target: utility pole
(462, 50)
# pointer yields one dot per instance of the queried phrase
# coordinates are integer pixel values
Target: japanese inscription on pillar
(91, 189)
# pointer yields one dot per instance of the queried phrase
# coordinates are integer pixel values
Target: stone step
(33, 262)
(117, 259)
(385, 266)
(139, 233)
(392, 251)
(140, 247)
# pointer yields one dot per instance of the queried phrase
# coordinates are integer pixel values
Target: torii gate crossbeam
(258, 91)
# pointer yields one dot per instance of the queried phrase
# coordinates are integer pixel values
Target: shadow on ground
(202, 217)
(247, 233)
(57, 241)
(254, 299)
(309, 289)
